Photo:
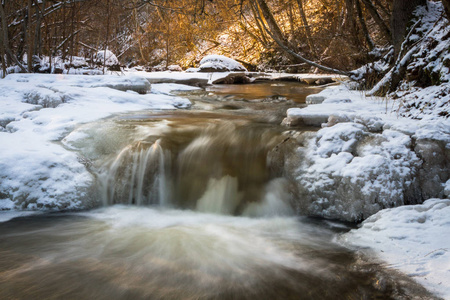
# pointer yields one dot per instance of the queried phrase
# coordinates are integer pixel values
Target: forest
(332, 36)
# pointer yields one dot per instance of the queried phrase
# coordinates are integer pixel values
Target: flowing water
(190, 208)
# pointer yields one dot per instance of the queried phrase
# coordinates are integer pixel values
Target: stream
(188, 205)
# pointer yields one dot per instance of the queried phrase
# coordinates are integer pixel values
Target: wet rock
(317, 80)
(233, 78)
(199, 82)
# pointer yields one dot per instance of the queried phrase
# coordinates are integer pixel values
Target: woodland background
(334, 36)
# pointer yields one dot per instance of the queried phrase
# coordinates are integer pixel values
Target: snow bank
(36, 111)
(366, 158)
(220, 63)
(414, 239)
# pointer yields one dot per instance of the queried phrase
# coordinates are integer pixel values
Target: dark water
(191, 209)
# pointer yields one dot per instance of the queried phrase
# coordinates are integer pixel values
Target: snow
(222, 63)
(37, 111)
(106, 57)
(414, 239)
(363, 159)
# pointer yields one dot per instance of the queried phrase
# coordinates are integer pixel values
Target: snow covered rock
(220, 63)
(107, 58)
(349, 173)
(136, 84)
(366, 158)
(174, 68)
(192, 70)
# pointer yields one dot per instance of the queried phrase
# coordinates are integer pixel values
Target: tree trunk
(349, 4)
(258, 24)
(6, 40)
(29, 39)
(37, 33)
(306, 26)
(378, 20)
(447, 8)
(107, 35)
(401, 14)
(363, 25)
(2, 53)
(270, 19)
(297, 56)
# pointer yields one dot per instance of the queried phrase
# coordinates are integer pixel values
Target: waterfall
(219, 168)
(136, 175)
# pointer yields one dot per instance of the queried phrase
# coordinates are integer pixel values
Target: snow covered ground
(414, 239)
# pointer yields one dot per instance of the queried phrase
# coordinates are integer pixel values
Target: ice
(414, 239)
(37, 111)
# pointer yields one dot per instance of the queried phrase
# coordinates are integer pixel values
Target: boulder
(220, 63)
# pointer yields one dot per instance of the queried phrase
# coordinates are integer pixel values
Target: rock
(199, 82)
(233, 78)
(174, 68)
(211, 67)
(316, 80)
(324, 80)
(314, 99)
(192, 70)
(220, 63)
(107, 58)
